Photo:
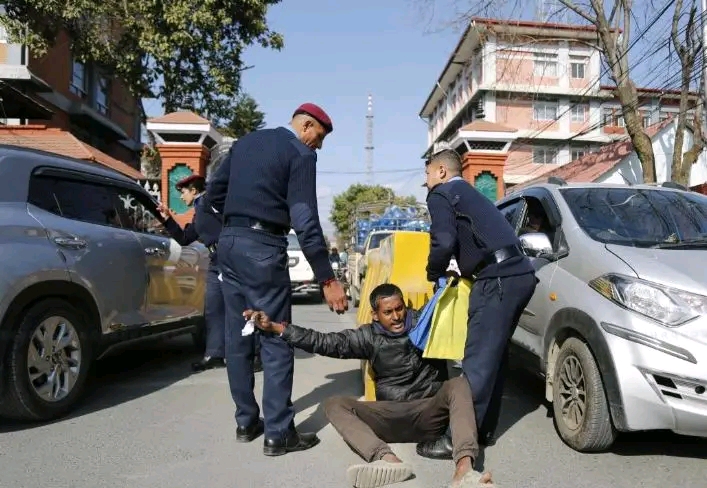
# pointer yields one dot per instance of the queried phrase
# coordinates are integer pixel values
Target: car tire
(581, 411)
(22, 399)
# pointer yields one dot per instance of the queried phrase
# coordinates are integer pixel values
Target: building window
(544, 111)
(79, 78)
(578, 67)
(620, 121)
(645, 120)
(579, 113)
(545, 65)
(664, 116)
(577, 153)
(544, 155)
(102, 93)
(607, 117)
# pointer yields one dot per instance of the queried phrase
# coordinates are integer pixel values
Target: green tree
(185, 53)
(346, 203)
(246, 118)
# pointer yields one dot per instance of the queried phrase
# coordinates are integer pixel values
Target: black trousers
(495, 306)
(255, 276)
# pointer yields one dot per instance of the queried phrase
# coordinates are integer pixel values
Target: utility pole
(369, 141)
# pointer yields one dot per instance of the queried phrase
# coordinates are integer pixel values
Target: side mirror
(359, 249)
(535, 244)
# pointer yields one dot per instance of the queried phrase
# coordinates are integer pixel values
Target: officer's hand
(164, 211)
(335, 297)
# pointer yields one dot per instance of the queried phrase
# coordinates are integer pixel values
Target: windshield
(639, 217)
(292, 243)
(376, 240)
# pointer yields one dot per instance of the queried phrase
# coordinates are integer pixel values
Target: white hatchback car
(304, 283)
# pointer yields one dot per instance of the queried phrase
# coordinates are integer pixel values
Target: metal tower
(369, 141)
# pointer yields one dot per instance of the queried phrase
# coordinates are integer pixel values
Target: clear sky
(335, 54)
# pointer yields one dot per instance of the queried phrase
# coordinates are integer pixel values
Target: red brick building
(56, 91)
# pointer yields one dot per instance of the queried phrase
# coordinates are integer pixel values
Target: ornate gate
(487, 184)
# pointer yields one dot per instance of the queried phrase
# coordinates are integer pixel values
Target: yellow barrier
(401, 260)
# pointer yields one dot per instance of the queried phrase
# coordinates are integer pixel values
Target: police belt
(498, 257)
(255, 224)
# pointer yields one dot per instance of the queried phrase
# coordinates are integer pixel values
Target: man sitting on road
(416, 401)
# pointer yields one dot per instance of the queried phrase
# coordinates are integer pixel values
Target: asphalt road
(148, 422)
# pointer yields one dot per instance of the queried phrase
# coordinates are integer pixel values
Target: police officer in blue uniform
(205, 227)
(266, 186)
(467, 226)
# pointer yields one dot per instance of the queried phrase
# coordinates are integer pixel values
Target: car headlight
(669, 306)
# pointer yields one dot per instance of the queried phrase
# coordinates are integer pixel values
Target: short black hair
(450, 158)
(386, 290)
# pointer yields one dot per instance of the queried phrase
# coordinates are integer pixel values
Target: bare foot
(473, 479)
(391, 458)
(464, 465)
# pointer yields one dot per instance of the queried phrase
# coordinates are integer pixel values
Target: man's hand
(262, 321)
(335, 297)
(164, 211)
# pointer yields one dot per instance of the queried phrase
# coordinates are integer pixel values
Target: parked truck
(372, 223)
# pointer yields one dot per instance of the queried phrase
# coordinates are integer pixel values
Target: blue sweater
(452, 236)
(270, 176)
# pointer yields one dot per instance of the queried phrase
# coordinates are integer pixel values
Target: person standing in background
(205, 227)
(265, 186)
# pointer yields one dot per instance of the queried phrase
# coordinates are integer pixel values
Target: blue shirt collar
(455, 178)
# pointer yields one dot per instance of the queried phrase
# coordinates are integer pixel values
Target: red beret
(317, 113)
(188, 181)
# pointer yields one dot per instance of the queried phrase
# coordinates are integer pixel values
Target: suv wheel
(47, 363)
(582, 416)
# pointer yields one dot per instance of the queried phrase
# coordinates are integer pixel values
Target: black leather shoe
(292, 443)
(257, 365)
(487, 439)
(437, 449)
(248, 434)
(208, 363)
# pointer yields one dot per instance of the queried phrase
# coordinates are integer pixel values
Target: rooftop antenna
(369, 141)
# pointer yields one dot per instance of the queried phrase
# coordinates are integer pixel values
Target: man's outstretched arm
(347, 344)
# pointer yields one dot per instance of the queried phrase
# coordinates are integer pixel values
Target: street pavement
(148, 422)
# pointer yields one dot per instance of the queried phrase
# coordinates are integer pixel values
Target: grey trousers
(368, 427)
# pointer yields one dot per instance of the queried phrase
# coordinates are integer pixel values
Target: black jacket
(205, 226)
(456, 206)
(281, 189)
(400, 371)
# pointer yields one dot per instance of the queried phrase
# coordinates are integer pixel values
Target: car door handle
(70, 242)
(155, 251)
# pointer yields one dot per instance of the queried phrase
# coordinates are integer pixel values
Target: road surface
(149, 423)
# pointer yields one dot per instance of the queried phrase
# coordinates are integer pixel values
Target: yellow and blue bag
(447, 336)
(421, 332)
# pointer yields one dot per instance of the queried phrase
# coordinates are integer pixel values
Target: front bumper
(661, 371)
(306, 288)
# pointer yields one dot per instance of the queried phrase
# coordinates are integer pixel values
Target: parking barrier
(401, 260)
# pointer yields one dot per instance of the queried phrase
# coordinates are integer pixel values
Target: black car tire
(577, 380)
(20, 400)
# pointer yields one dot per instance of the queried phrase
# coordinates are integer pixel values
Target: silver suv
(85, 266)
(618, 322)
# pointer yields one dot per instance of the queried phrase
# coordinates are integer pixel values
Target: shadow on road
(127, 375)
(347, 383)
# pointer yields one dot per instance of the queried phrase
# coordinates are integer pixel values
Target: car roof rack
(554, 180)
(674, 186)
